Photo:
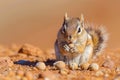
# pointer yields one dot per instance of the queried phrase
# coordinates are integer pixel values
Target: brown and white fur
(78, 42)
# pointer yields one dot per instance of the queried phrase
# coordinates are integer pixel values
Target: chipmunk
(78, 42)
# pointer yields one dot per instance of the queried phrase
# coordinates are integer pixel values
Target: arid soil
(37, 23)
(18, 62)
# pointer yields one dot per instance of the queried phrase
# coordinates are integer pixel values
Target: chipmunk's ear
(66, 17)
(82, 20)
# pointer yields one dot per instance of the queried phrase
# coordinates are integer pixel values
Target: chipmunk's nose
(69, 37)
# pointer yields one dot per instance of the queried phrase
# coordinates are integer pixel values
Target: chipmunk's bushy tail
(99, 37)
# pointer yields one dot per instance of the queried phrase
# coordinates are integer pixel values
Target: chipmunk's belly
(75, 59)
(81, 58)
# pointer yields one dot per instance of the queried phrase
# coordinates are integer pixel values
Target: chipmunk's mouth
(71, 41)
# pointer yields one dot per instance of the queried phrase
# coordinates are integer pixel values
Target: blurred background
(38, 21)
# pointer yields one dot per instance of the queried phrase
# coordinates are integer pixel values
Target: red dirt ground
(37, 22)
(18, 63)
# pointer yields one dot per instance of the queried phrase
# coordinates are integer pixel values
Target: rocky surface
(28, 62)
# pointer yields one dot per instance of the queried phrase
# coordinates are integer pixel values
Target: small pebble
(99, 73)
(41, 65)
(20, 73)
(64, 71)
(29, 75)
(108, 64)
(59, 65)
(73, 66)
(106, 75)
(94, 67)
(46, 78)
(117, 77)
(18, 77)
(5, 62)
(85, 66)
(24, 78)
(49, 75)
(118, 69)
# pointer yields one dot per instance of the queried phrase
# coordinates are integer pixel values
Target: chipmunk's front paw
(66, 47)
(73, 50)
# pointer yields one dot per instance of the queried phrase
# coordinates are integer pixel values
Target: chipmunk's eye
(79, 30)
(64, 29)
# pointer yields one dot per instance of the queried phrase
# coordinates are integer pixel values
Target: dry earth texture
(28, 62)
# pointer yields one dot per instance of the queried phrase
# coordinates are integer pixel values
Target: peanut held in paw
(73, 66)
(59, 65)
(41, 65)
(94, 67)
(66, 47)
(71, 45)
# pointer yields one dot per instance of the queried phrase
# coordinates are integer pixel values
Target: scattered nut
(41, 65)
(73, 66)
(94, 67)
(71, 45)
(85, 66)
(59, 65)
